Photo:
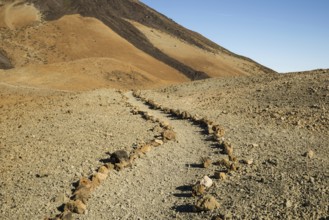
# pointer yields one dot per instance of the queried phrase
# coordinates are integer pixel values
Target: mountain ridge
(113, 14)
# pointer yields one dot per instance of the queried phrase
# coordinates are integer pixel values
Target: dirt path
(158, 185)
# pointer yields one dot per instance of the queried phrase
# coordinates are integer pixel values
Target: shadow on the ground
(194, 165)
(184, 208)
(185, 191)
(182, 195)
(184, 188)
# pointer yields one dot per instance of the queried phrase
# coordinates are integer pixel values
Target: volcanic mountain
(80, 44)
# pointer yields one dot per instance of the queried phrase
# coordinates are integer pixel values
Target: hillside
(126, 31)
(93, 53)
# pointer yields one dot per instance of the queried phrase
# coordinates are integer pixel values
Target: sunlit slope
(72, 38)
(214, 62)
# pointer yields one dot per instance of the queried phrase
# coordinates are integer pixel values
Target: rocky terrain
(49, 139)
(277, 126)
(280, 124)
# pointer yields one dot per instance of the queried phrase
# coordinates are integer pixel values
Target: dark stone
(119, 156)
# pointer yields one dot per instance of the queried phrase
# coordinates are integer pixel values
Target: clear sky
(285, 35)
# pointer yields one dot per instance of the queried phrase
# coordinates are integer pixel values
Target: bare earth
(49, 139)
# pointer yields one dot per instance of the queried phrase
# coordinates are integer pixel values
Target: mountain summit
(132, 44)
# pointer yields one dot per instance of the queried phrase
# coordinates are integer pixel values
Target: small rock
(157, 129)
(148, 116)
(84, 182)
(275, 115)
(228, 148)
(186, 115)
(234, 167)
(219, 134)
(156, 143)
(164, 124)
(220, 175)
(109, 166)
(198, 189)
(288, 204)
(146, 148)
(122, 165)
(95, 181)
(248, 162)
(134, 155)
(224, 162)
(309, 154)
(76, 207)
(119, 156)
(82, 194)
(254, 145)
(206, 203)
(272, 161)
(168, 135)
(101, 176)
(103, 169)
(67, 216)
(206, 162)
(232, 158)
(209, 128)
(312, 180)
(206, 181)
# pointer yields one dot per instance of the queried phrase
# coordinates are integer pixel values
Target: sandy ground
(51, 138)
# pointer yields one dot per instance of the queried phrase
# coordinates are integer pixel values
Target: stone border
(118, 161)
(204, 202)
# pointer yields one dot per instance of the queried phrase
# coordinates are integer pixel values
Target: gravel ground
(49, 139)
(156, 187)
(274, 121)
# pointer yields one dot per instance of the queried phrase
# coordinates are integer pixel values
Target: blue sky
(285, 35)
